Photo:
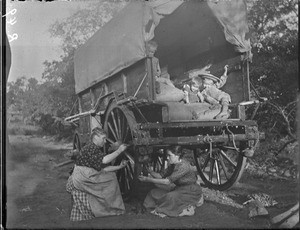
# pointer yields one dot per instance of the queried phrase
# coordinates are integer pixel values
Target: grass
(22, 129)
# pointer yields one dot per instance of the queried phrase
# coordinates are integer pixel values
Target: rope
(233, 138)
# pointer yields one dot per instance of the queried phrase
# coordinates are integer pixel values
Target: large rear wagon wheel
(117, 127)
(220, 168)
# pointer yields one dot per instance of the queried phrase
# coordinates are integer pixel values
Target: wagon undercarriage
(217, 149)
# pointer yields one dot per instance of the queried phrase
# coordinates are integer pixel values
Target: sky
(34, 44)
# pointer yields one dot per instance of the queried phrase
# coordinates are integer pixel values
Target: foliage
(46, 102)
(23, 94)
(274, 71)
(59, 85)
(80, 26)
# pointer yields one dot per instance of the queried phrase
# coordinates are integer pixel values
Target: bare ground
(37, 199)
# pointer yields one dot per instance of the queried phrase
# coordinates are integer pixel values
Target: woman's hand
(225, 69)
(110, 157)
(200, 96)
(148, 169)
(123, 163)
(122, 148)
(143, 178)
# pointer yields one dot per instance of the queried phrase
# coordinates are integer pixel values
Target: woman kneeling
(93, 183)
(178, 193)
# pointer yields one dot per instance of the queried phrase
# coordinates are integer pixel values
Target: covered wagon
(115, 84)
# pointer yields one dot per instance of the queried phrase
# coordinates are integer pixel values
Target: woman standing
(178, 193)
(93, 184)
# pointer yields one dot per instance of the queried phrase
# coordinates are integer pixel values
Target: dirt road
(36, 196)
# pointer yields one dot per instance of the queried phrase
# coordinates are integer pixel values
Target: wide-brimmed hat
(209, 76)
(203, 74)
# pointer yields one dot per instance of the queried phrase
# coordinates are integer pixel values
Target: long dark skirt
(172, 203)
(102, 188)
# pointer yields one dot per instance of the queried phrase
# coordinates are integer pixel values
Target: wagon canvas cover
(191, 27)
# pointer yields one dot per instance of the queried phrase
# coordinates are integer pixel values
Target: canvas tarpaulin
(121, 42)
(233, 17)
(115, 46)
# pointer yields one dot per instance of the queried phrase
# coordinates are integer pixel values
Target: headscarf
(97, 132)
(177, 150)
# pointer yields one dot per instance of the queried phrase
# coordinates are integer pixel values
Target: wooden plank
(80, 103)
(241, 112)
(188, 124)
(189, 140)
(124, 78)
(151, 81)
(93, 100)
(284, 215)
(246, 83)
(291, 221)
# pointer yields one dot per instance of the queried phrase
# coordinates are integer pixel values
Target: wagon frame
(124, 104)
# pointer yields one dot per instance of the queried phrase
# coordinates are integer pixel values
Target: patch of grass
(18, 154)
(22, 129)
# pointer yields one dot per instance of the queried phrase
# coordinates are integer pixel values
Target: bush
(53, 125)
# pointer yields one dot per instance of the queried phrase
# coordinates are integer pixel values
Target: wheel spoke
(119, 124)
(110, 140)
(130, 158)
(160, 162)
(228, 159)
(217, 172)
(124, 127)
(130, 171)
(115, 124)
(126, 133)
(154, 165)
(211, 171)
(223, 166)
(206, 161)
(112, 131)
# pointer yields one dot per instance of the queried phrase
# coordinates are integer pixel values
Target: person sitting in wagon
(164, 88)
(205, 88)
(212, 93)
(152, 47)
(193, 89)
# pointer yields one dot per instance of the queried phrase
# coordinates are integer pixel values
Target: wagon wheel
(118, 129)
(159, 161)
(221, 168)
(157, 164)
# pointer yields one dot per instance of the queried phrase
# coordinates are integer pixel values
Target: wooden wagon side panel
(86, 101)
(135, 76)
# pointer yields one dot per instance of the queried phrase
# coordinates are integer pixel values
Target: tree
(15, 92)
(80, 26)
(24, 95)
(58, 88)
(274, 71)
